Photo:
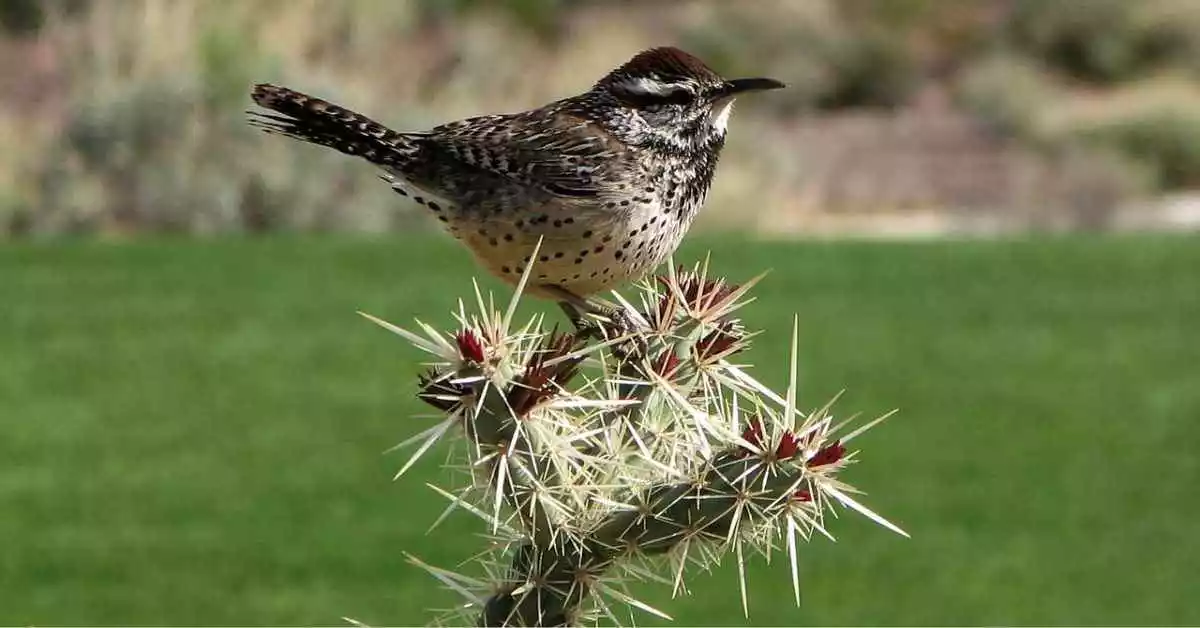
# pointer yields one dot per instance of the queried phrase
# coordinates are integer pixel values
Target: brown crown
(664, 63)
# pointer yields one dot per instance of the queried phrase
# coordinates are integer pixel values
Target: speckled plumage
(609, 180)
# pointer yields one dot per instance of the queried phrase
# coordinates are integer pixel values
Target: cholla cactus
(644, 454)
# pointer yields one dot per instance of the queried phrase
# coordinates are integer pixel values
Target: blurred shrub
(1165, 138)
(1144, 128)
(828, 61)
(154, 137)
(1154, 124)
(875, 69)
(538, 17)
(24, 17)
(1175, 27)
(1008, 92)
(158, 157)
(1107, 41)
(793, 47)
(21, 16)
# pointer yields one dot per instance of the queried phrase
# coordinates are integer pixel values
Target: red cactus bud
(719, 343)
(469, 346)
(788, 446)
(802, 495)
(528, 390)
(753, 432)
(689, 285)
(557, 347)
(541, 381)
(667, 364)
(828, 454)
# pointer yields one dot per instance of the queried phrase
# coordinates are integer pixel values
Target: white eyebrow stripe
(649, 86)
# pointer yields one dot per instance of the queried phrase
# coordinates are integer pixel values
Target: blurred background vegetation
(190, 428)
(126, 116)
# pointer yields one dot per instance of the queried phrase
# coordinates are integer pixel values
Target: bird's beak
(737, 86)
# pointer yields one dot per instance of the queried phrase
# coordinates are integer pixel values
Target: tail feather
(311, 119)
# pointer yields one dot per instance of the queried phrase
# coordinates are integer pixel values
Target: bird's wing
(561, 155)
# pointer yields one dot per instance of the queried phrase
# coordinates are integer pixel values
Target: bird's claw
(600, 322)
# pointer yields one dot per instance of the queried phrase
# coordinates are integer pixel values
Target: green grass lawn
(192, 432)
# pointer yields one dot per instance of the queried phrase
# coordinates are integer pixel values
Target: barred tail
(310, 119)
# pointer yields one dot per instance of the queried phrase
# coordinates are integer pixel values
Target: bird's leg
(594, 319)
(591, 317)
(578, 319)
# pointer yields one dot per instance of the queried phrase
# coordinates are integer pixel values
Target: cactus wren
(608, 180)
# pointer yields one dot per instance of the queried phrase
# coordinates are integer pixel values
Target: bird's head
(667, 99)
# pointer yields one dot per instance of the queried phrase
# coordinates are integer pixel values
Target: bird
(593, 190)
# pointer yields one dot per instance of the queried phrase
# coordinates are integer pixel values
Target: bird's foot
(596, 320)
